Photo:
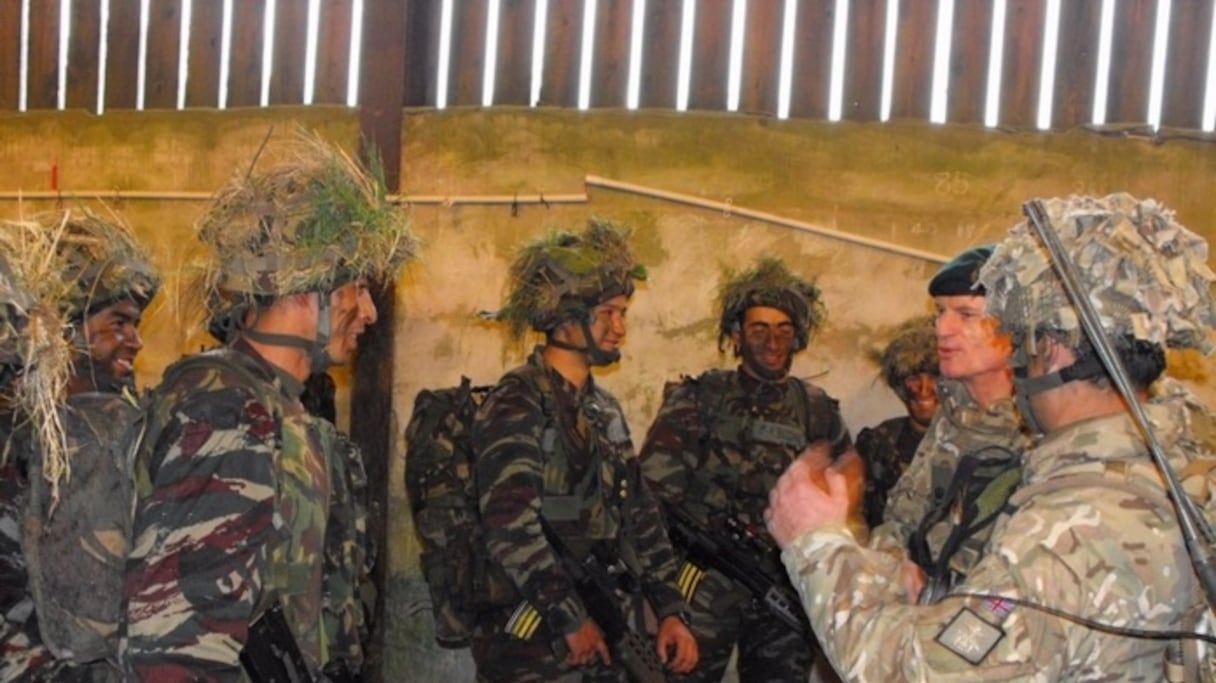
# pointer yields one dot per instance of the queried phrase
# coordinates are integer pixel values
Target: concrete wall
(928, 188)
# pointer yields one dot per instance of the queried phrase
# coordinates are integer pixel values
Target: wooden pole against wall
(381, 95)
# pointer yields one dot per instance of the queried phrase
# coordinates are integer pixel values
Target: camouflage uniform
(960, 427)
(549, 449)
(21, 648)
(233, 488)
(886, 448)
(1080, 540)
(349, 555)
(716, 448)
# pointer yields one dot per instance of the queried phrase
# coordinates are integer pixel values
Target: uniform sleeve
(199, 540)
(510, 476)
(870, 633)
(648, 536)
(672, 450)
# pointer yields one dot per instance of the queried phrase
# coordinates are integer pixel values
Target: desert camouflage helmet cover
(912, 350)
(313, 221)
(770, 284)
(1146, 275)
(101, 258)
(35, 349)
(563, 275)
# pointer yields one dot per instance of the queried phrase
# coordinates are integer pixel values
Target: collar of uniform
(559, 384)
(1104, 439)
(291, 387)
(956, 402)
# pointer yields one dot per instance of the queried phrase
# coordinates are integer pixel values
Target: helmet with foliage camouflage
(315, 220)
(101, 259)
(911, 351)
(562, 276)
(1146, 276)
(770, 284)
(35, 351)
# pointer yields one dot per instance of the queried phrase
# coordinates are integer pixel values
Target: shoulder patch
(970, 636)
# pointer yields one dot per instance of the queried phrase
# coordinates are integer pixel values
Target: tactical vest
(746, 453)
(293, 571)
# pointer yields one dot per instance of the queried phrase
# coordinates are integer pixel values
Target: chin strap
(594, 353)
(1025, 387)
(317, 349)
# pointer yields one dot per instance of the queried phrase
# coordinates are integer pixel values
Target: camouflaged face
(101, 259)
(1146, 275)
(313, 221)
(770, 284)
(563, 275)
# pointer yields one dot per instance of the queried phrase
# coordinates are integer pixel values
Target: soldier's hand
(677, 647)
(797, 505)
(913, 579)
(586, 644)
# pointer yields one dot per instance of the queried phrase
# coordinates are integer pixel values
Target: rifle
(737, 553)
(271, 654)
(596, 580)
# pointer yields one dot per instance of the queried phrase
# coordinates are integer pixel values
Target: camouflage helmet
(35, 351)
(770, 284)
(911, 351)
(563, 275)
(101, 259)
(1146, 276)
(315, 220)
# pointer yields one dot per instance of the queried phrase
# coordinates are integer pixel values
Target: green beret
(959, 276)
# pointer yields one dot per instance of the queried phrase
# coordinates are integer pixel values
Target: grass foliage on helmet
(563, 275)
(1146, 276)
(35, 349)
(103, 260)
(309, 220)
(911, 351)
(770, 284)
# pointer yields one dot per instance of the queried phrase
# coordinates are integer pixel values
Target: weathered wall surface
(922, 187)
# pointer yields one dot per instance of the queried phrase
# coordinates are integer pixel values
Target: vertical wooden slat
(203, 80)
(164, 45)
(333, 52)
(513, 73)
(468, 57)
(10, 54)
(660, 54)
(1076, 62)
(710, 54)
(1131, 61)
(912, 90)
(1186, 64)
(610, 65)
(969, 54)
(83, 41)
(812, 60)
(43, 78)
(290, 35)
(761, 68)
(863, 62)
(122, 55)
(382, 80)
(422, 45)
(245, 60)
(563, 42)
(1022, 63)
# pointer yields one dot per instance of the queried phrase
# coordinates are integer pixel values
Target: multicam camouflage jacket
(960, 428)
(548, 449)
(720, 441)
(233, 493)
(1091, 533)
(886, 449)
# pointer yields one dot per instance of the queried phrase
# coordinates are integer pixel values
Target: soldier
(554, 451)
(1086, 574)
(234, 480)
(719, 443)
(35, 361)
(108, 282)
(977, 417)
(909, 367)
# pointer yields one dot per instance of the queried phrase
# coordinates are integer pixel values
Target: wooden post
(381, 96)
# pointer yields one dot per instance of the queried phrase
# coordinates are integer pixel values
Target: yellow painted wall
(930, 188)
